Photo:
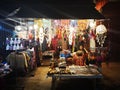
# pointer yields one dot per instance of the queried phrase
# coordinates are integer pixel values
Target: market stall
(49, 37)
(60, 27)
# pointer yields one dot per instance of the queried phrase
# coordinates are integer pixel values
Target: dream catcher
(101, 34)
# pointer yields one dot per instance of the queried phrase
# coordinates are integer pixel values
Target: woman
(79, 57)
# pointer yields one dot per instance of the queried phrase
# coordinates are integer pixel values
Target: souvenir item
(101, 34)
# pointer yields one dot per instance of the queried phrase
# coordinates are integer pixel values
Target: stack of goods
(58, 70)
(75, 69)
(91, 70)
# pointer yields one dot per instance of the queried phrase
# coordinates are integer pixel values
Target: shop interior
(37, 39)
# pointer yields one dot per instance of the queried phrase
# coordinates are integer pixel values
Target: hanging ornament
(41, 35)
(82, 24)
(73, 23)
(101, 34)
(101, 29)
(92, 24)
(71, 34)
(65, 23)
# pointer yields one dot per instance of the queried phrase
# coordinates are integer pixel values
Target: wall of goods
(59, 33)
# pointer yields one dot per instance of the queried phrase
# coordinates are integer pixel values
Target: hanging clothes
(92, 45)
(64, 44)
(92, 41)
(44, 45)
(32, 62)
(37, 54)
(18, 61)
(54, 43)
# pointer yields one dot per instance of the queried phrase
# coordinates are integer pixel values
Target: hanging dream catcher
(101, 34)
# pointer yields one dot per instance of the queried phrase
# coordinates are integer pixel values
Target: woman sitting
(80, 60)
(79, 56)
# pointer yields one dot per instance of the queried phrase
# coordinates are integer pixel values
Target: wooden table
(81, 72)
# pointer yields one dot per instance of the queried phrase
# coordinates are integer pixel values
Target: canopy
(51, 10)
